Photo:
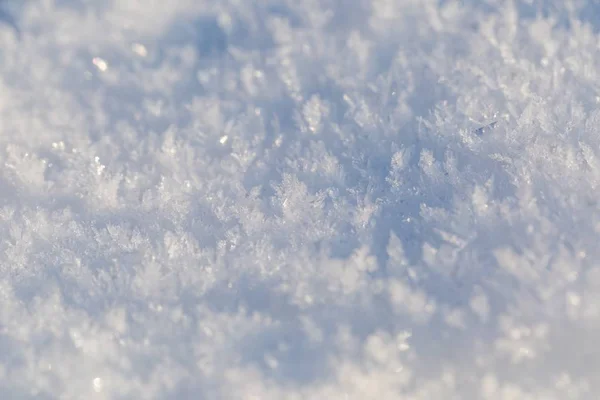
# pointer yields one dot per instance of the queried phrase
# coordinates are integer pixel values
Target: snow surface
(299, 199)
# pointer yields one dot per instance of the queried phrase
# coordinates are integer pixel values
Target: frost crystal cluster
(300, 199)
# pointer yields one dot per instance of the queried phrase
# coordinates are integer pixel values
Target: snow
(299, 199)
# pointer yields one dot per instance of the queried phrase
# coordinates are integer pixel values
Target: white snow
(300, 199)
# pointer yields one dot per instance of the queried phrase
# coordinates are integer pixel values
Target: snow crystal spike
(486, 128)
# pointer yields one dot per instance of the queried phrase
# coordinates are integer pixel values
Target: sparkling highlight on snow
(307, 199)
(100, 64)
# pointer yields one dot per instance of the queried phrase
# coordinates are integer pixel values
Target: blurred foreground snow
(299, 199)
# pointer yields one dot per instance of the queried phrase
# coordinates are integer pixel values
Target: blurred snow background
(299, 199)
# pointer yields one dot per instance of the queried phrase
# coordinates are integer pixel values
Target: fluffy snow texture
(299, 199)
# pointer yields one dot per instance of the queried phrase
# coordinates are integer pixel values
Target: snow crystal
(314, 199)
